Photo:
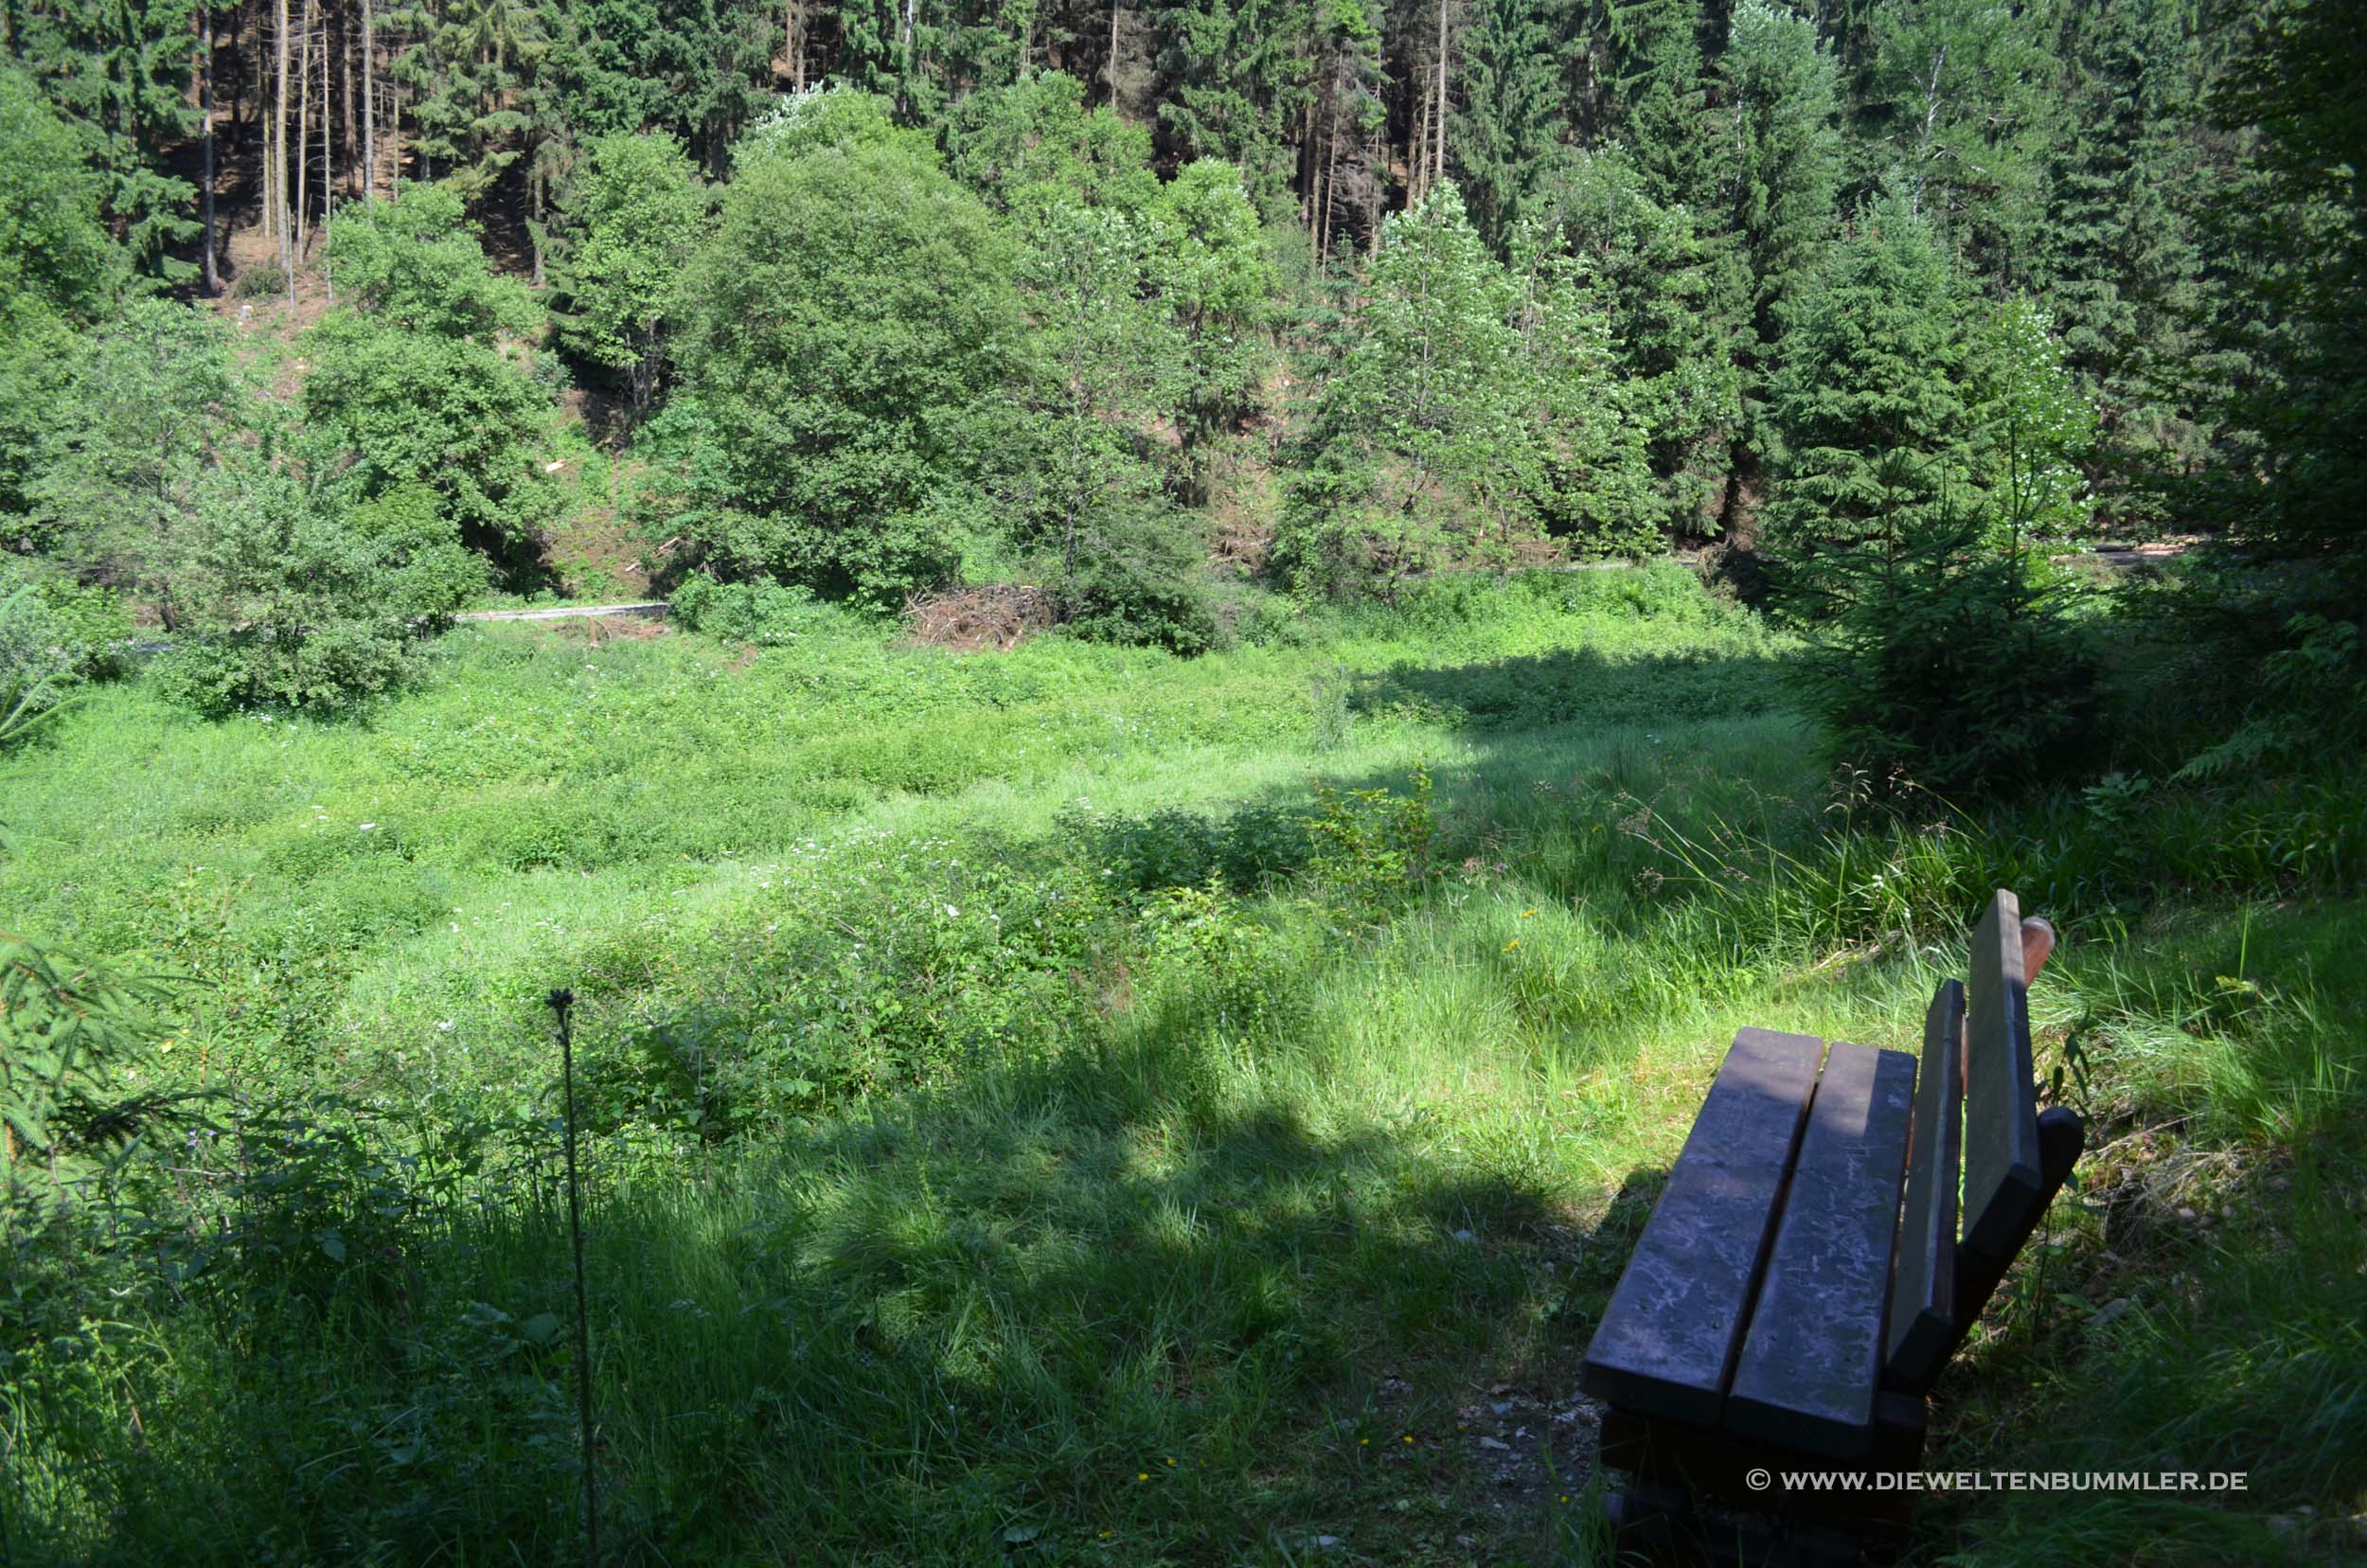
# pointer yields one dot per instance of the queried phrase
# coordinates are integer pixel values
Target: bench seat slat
(1813, 1354)
(1667, 1342)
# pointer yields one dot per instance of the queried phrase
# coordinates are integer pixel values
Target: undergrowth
(1090, 1107)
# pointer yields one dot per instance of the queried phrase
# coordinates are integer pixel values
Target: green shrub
(290, 604)
(768, 614)
(263, 281)
(55, 636)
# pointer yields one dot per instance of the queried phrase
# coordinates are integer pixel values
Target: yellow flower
(1408, 1438)
(1170, 1461)
(1526, 912)
(1363, 1442)
(1143, 1475)
(1514, 943)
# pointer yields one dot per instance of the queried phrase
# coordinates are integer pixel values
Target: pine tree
(1963, 105)
(1658, 86)
(2288, 236)
(1871, 406)
(1672, 304)
(1782, 101)
(2123, 268)
(1503, 140)
(118, 71)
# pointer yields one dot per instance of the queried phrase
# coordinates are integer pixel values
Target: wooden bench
(1783, 1311)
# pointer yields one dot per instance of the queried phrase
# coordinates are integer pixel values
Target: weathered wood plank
(1667, 1341)
(2002, 1167)
(1923, 1287)
(1813, 1355)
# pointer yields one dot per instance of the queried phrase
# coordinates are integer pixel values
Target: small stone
(2111, 1311)
(1497, 1444)
(1504, 1408)
(1465, 1236)
(2187, 1215)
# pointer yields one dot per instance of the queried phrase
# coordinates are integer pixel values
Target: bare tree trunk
(1438, 120)
(205, 112)
(278, 160)
(1331, 188)
(1111, 71)
(369, 104)
(327, 162)
(1418, 149)
(346, 141)
(304, 129)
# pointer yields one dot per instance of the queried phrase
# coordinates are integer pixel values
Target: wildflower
(1363, 1442)
(1408, 1438)
(1526, 912)
(1142, 1475)
(1171, 1462)
(1514, 943)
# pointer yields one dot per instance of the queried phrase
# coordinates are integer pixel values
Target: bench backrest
(1977, 1111)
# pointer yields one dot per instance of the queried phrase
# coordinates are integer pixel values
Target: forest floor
(1039, 1111)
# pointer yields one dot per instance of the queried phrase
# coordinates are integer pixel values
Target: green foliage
(1787, 167)
(1371, 848)
(56, 635)
(118, 74)
(1504, 139)
(2288, 234)
(152, 405)
(1871, 403)
(638, 213)
(1034, 144)
(2124, 264)
(1960, 111)
(75, 1043)
(697, 73)
(296, 605)
(2036, 427)
(415, 264)
(1472, 410)
(1675, 314)
(56, 254)
(1939, 663)
(764, 613)
(411, 384)
(855, 329)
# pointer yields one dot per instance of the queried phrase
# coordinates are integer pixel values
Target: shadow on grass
(1127, 1303)
(1580, 685)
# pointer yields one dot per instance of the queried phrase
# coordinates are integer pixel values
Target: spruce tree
(1963, 106)
(1504, 139)
(2123, 268)
(1784, 98)
(1870, 405)
(1670, 302)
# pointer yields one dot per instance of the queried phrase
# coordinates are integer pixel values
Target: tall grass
(1028, 1122)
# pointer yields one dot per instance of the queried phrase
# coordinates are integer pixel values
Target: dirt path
(653, 608)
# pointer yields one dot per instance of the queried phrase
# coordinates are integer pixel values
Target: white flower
(953, 914)
(445, 1026)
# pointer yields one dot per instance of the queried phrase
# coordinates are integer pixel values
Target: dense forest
(1278, 617)
(886, 300)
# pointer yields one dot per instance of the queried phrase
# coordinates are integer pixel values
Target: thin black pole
(562, 1002)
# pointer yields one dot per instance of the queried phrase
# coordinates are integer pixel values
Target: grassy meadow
(1081, 1106)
